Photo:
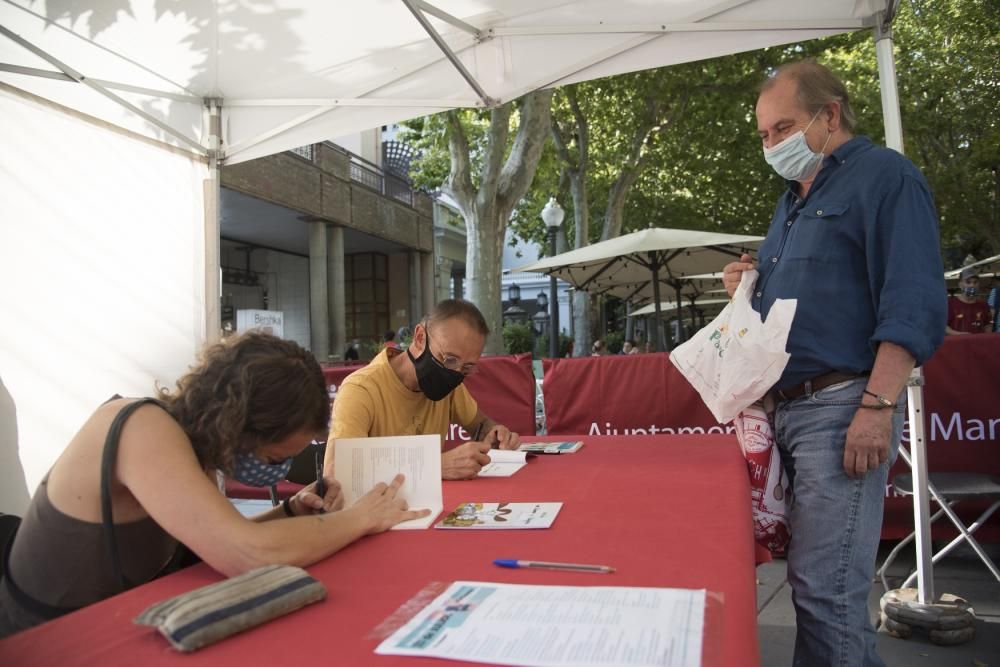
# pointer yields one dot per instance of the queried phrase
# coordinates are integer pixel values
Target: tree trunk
(575, 169)
(483, 259)
(582, 309)
(487, 208)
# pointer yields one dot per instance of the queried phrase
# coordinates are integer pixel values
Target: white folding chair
(948, 489)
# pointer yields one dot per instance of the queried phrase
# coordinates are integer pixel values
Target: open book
(503, 463)
(501, 516)
(567, 447)
(361, 463)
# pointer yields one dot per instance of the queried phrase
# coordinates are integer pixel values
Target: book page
(361, 463)
(557, 626)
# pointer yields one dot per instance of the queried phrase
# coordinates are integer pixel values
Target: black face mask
(434, 379)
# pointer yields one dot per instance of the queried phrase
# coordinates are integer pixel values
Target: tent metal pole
(449, 54)
(212, 323)
(887, 84)
(914, 387)
(98, 88)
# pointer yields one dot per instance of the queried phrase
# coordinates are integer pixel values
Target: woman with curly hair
(139, 480)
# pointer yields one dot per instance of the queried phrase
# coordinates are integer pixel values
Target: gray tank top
(66, 563)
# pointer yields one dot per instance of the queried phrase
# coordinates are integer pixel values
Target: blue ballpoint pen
(571, 567)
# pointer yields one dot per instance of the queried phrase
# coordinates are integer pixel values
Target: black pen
(479, 432)
(320, 484)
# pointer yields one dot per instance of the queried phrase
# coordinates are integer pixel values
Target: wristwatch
(883, 402)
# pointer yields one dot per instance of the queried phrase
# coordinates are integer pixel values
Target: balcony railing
(372, 176)
(308, 151)
(366, 173)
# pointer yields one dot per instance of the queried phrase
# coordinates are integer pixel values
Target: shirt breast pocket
(820, 232)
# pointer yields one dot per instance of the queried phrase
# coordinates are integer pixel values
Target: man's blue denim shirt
(862, 255)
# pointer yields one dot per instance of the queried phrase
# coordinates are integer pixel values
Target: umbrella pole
(655, 328)
(680, 315)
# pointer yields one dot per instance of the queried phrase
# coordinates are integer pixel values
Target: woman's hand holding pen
(307, 501)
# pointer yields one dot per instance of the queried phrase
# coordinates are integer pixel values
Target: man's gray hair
(817, 87)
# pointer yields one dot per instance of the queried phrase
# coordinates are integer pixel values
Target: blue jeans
(835, 525)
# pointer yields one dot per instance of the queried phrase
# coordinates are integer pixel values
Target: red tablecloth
(641, 504)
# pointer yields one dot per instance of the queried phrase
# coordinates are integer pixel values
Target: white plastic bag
(733, 361)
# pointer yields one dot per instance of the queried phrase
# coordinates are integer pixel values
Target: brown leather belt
(815, 384)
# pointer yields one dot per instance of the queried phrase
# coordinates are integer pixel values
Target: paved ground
(960, 573)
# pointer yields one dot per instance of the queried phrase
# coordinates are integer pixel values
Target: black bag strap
(107, 469)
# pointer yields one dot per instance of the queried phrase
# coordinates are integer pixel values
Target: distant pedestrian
(968, 314)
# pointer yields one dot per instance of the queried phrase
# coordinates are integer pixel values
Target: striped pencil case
(210, 613)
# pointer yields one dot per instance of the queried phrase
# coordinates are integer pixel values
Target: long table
(666, 511)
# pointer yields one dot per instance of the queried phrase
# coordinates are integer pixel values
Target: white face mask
(792, 159)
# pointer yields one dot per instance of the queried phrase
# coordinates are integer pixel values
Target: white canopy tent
(231, 81)
(162, 94)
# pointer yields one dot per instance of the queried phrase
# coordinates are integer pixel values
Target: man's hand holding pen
(497, 436)
(501, 437)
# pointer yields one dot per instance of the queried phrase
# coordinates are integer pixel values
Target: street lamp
(553, 216)
(540, 320)
(514, 313)
(542, 300)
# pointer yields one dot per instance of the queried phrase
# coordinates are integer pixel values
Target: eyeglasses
(449, 361)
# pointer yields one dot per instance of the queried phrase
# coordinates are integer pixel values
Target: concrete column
(427, 291)
(444, 279)
(416, 312)
(319, 312)
(335, 287)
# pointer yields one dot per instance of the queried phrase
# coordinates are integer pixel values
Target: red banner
(504, 388)
(636, 394)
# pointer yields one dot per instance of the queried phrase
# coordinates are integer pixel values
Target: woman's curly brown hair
(245, 392)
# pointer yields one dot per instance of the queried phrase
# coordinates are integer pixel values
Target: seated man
(420, 391)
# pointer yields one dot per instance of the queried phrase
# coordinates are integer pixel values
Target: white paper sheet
(361, 463)
(557, 626)
(503, 463)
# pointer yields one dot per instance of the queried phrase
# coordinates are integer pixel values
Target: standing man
(420, 391)
(966, 313)
(854, 239)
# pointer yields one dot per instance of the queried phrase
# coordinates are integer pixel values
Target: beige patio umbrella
(987, 268)
(672, 305)
(635, 267)
(712, 305)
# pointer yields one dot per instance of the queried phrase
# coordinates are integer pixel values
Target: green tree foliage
(490, 167)
(517, 338)
(703, 168)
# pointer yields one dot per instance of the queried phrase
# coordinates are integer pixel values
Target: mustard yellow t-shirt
(372, 402)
